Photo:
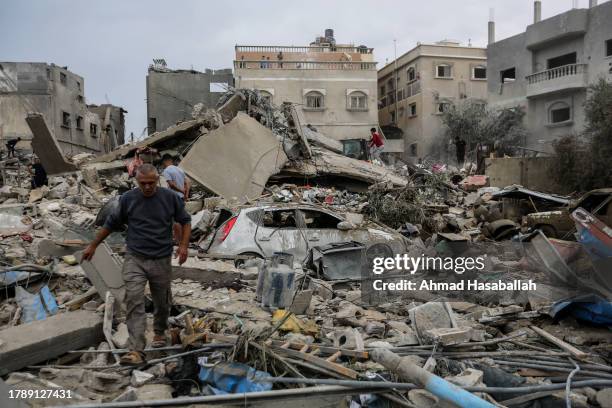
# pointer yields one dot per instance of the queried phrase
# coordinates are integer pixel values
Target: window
(383, 90)
(314, 100)
(279, 219)
(358, 101)
(93, 129)
(48, 74)
(400, 94)
(411, 74)
(560, 112)
(391, 84)
(413, 109)
(319, 219)
(65, 119)
(401, 112)
(567, 59)
(79, 123)
(609, 48)
(63, 78)
(444, 71)
(443, 107)
(392, 116)
(78, 85)
(80, 98)
(508, 75)
(479, 72)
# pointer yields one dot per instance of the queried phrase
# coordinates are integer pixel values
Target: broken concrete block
(375, 328)
(150, 392)
(121, 336)
(450, 336)
(38, 341)
(105, 272)
(431, 315)
(468, 378)
(140, 378)
(27, 381)
(348, 339)
(604, 398)
(235, 160)
(423, 399)
(301, 302)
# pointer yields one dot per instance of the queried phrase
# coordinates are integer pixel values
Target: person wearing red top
(376, 145)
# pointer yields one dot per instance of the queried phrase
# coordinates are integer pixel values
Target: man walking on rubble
(376, 145)
(149, 212)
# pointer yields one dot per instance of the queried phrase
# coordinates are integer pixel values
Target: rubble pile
(284, 300)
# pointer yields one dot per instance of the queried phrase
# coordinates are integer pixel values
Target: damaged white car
(295, 229)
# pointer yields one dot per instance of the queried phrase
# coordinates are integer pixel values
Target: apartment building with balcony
(548, 68)
(333, 85)
(416, 89)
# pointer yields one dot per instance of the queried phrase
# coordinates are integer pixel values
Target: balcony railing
(324, 65)
(409, 90)
(307, 48)
(559, 72)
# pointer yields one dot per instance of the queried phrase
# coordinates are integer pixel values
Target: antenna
(491, 14)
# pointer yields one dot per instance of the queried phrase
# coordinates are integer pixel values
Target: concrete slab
(46, 147)
(105, 272)
(236, 160)
(41, 340)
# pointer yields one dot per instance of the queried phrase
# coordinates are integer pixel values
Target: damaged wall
(172, 94)
(529, 172)
(56, 93)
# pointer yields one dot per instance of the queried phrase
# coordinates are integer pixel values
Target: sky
(111, 43)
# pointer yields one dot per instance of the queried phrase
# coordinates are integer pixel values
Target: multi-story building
(56, 93)
(112, 121)
(548, 69)
(172, 94)
(333, 85)
(416, 88)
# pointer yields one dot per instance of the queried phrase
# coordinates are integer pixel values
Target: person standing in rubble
(175, 176)
(39, 175)
(10, 146)
(149, 212)
(376, 145)
(460, 150)
(279, 57)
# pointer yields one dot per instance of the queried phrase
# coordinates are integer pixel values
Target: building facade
(55, 92)
(172, 94)
(112, 122)
(333, 85)
(420, 85)
(548, 69)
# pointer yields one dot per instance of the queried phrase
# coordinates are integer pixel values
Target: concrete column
(537, 11)
(592, 3)
(491, 32)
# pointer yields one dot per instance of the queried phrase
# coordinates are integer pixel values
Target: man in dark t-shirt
(149, 212)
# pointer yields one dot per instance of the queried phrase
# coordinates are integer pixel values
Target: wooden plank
(41, 340)
(580, 355)
(107, 325)
(319, 362)
(325, 350)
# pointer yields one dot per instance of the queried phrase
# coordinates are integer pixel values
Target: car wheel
(238, 263)
(378, 251)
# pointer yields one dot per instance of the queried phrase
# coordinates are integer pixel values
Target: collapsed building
(59, 95)
(277, 301)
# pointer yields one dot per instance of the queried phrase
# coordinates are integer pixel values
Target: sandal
(132, 358)
(159, 340)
